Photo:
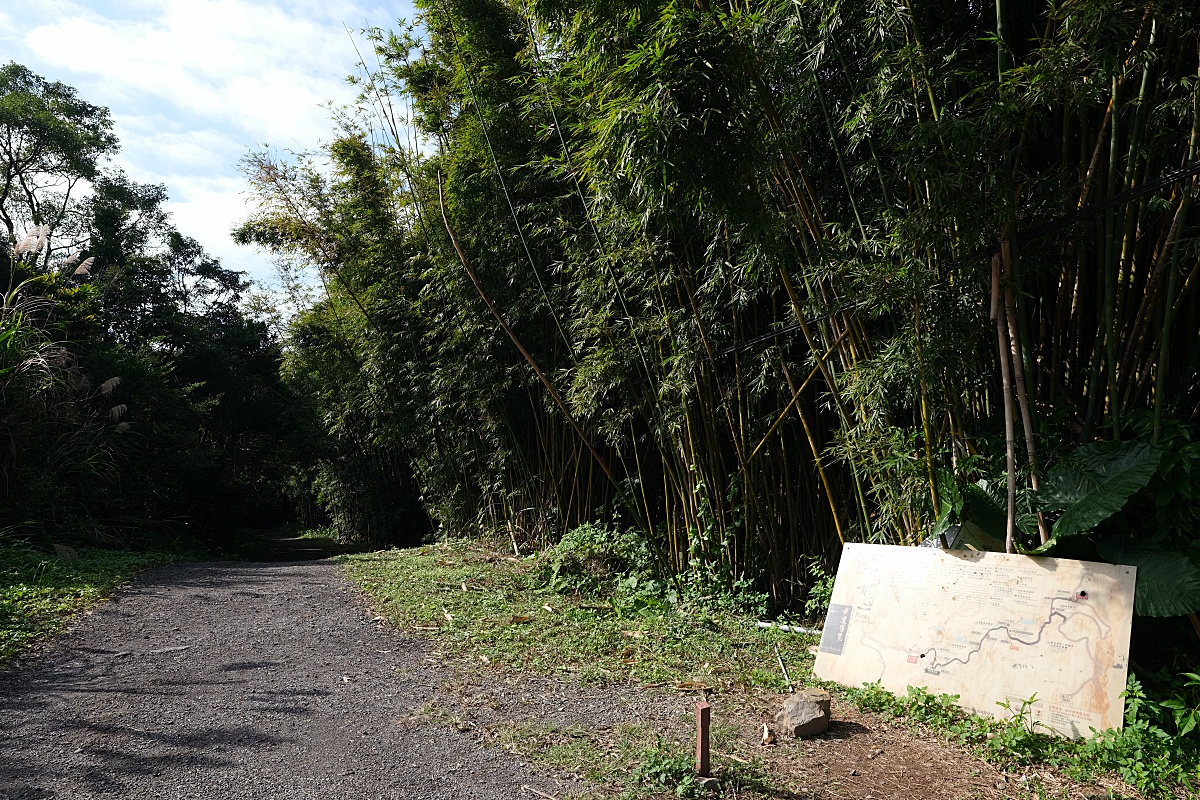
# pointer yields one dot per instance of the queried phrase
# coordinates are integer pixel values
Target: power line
(1120, 198)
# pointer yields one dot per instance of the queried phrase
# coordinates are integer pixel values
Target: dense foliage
(754, 280)
(698, 291)
(139, 401)
(40, 595)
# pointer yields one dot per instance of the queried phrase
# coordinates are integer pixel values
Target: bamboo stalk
(558, 401)
(1110, 275)
(843, 416)
(1018, 370)
(924, 413)
(795, 396)
(1164, 350)
(1006, 395)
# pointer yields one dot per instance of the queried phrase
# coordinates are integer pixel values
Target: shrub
(596, 561)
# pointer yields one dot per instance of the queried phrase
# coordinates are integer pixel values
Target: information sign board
(991, 628)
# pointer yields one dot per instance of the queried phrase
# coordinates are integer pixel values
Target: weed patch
(669, 767)
(502, 612)
(597, 756)
(1143, 754)
(39, 593)
(499, 610)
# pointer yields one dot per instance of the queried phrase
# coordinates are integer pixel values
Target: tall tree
(138, 394)
(51, 144)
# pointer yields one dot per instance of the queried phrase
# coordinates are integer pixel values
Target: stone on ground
(805, 713)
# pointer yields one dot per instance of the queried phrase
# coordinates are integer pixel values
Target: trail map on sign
(989, 627)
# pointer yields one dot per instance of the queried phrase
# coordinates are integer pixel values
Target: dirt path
(239, 681)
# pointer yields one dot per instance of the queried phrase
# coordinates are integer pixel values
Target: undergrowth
(581, 751)
(599, 615)
(1158, 763)
(637, 761)
(504, 611)
(594, 614)
(40, 592)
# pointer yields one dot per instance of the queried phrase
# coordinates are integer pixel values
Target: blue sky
(195, 84)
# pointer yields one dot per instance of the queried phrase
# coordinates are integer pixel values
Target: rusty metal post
(703, 718)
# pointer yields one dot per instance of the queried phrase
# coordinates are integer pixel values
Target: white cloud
(194, 84)
(208, 209)
(158, 144)
(249, 67)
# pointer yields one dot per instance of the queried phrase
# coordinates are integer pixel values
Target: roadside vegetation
(682, 296)
(730, 286)
(40, 593)
(142, 405)
(141, 409)
(1150, 754)
(748, 283)
(754, 282)
(503, 609)
(587, 612)
(574, 611)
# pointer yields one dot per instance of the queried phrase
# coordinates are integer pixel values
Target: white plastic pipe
(790, 628)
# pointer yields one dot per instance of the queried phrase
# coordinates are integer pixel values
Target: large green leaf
(988, 511)
(950, 501)
(1096, 483)
(986, 505)
(1168, 584)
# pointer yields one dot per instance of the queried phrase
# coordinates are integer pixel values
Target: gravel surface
(241, 681)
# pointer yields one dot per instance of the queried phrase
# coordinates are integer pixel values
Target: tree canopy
(748, 282)
(140, 400)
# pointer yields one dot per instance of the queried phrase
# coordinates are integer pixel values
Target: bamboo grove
(749, 279)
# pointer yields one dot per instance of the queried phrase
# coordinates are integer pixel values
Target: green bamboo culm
(755, 265)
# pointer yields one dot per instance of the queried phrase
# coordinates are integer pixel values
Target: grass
(494, 608)
(325, 535)
(1143, 755)
(645, 763)
(576, 749)
(495, 611)
(40, 592)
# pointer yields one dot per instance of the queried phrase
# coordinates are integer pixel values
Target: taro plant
(1124, 502)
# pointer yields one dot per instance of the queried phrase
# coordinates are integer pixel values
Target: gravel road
(228, 681)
